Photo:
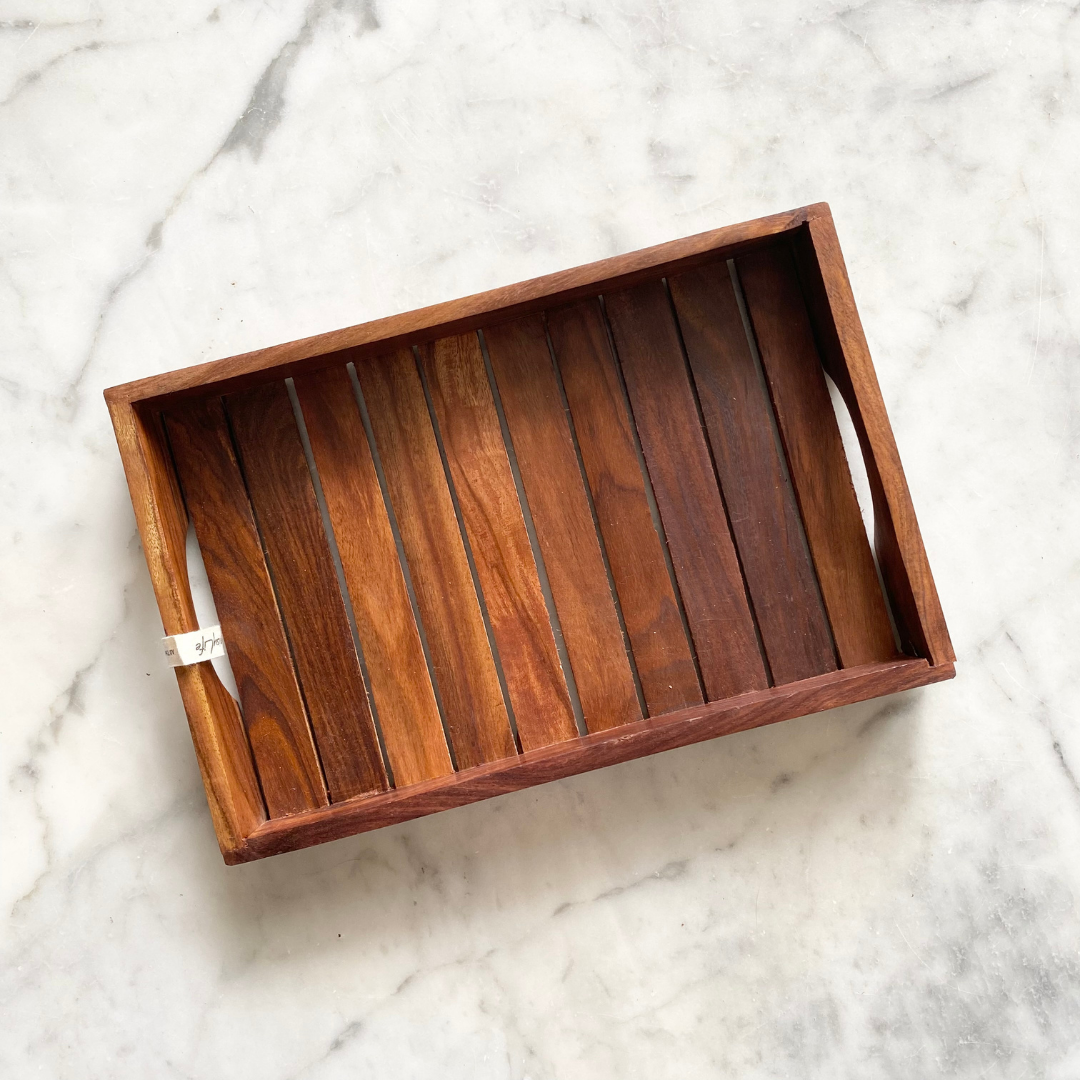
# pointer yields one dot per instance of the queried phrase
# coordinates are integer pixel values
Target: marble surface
(889, 890)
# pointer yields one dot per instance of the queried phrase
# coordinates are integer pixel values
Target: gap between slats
(677, 453)
(400, 683)
(273, 712)
(277, 596)
(650, 498)
(596, 525)
(534, 544)
(300, 560)
(557, 496)
(719, 486)
(339, 575)
(761, 506)
(475, 710)
(751, 340)
(395, 529)
(632, 547)
(335, 555)
(854, 602)
(469, 557)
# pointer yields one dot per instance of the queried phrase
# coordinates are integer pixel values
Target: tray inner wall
(498, 541)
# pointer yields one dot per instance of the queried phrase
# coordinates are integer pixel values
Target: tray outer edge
(240, 821)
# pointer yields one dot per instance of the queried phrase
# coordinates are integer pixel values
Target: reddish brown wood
(605, 436)
(815, 454)
(270, 700)
(555, 490)
(473, 442)
(820, 298)
(760, 502)
(691, 506)
(598, 750)
(468, 685)
(408, 713)
(279, 484)
(221, 744)
(897, 539)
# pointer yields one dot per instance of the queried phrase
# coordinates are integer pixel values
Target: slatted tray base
(530, 533)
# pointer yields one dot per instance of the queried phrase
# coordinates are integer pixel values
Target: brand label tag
(194, 648)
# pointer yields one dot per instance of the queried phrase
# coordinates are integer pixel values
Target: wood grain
(691, 506)
(400, 684)
(270, 701)
(283, 498)
(761, 505)
(277, 743)
(605, 436)
(468, 685)
(555, 490)
(610, 747)
(815, 454)
(217, 730)
(473, 442)
(897, 539)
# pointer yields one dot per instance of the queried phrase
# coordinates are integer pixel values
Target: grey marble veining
(885, 891)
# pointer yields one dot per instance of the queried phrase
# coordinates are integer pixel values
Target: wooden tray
(568, 523)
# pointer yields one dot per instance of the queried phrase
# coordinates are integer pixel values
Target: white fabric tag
(194, 648)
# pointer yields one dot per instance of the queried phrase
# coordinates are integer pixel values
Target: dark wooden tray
(572, 521)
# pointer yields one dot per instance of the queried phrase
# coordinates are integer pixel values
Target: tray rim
(240, 822)
(457, 316)
(652, 735)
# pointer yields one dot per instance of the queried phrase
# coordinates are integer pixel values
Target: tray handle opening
(845, 356)
(202, 600)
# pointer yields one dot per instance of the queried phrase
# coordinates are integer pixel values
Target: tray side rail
(846, 357)
(221, 744)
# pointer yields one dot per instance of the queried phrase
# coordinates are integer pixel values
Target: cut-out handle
(856, 455)
(205, 609)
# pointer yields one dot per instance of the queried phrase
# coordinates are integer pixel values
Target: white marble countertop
(889, 890)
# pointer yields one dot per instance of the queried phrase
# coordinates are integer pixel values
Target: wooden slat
(487, 496)
(815, 453)
(691, 507)
(270, 701)
(468, 683)
(635, 554)
(283, 497)
(761, 505)
(559, 505)
(400, 684)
